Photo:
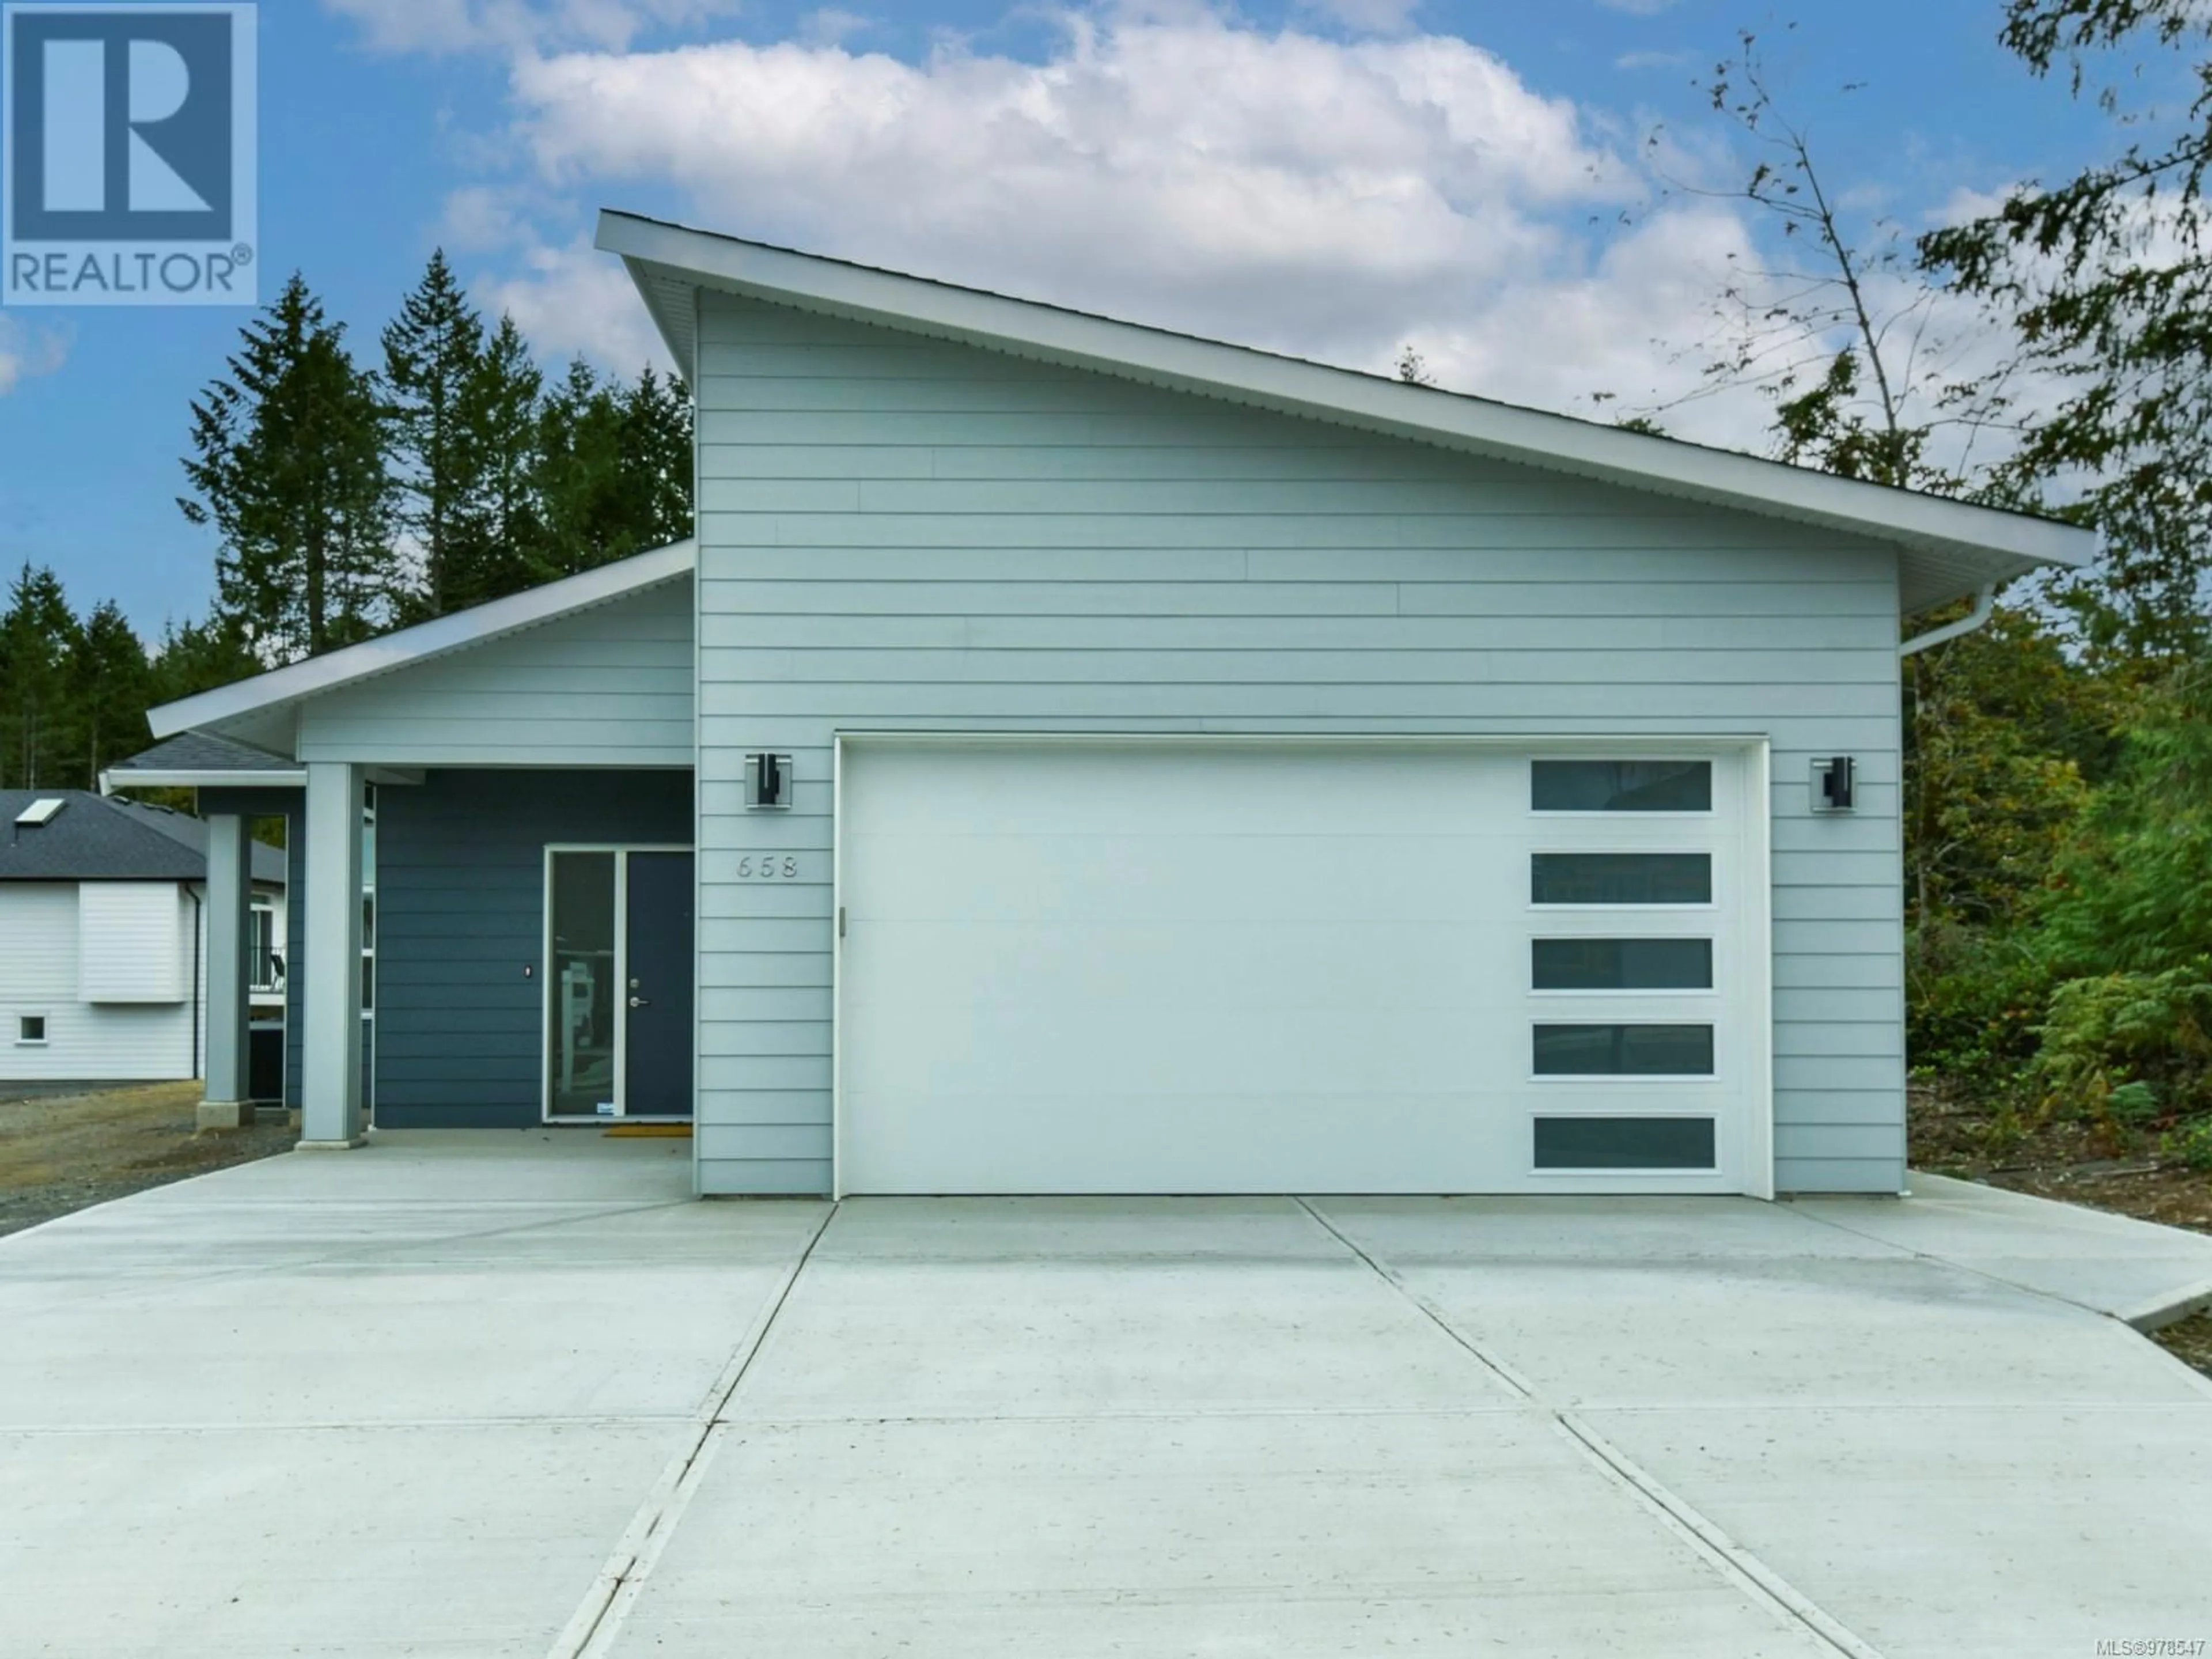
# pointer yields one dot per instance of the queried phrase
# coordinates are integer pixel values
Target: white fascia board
(112, 782)
(439, 637)
(655, 250)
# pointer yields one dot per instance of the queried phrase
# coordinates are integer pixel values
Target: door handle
(640, 1002)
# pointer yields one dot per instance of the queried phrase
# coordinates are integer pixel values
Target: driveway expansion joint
(592, 1629)
(1757, 1583)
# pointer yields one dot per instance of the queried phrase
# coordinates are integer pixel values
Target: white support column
(330, 1015)
(227, 1102)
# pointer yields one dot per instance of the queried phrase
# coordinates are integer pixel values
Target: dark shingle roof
(102, 838)
(203, 752)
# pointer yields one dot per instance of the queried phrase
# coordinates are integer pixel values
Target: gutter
(1985, 601)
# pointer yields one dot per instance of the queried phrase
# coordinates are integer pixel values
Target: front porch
(425, 779)
(464, 943)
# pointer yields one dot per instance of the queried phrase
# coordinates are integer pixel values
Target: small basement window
(31, 1031)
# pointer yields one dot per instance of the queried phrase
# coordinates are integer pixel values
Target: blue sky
(1333, 178)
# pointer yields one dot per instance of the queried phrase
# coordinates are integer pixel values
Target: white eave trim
(171, 778)
(477, 626)
(652, 247)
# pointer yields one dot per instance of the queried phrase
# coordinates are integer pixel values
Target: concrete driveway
(491, 1395)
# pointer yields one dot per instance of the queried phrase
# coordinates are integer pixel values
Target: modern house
(104, 940)
(1078, 757)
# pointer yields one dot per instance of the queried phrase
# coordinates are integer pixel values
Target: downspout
(1985, 601)
(199, 944)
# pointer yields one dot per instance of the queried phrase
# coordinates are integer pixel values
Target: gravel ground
(64, 1152)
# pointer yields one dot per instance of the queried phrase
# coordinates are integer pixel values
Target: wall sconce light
(768, 781)
(1832, 784)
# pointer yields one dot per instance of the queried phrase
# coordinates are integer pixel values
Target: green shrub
(2189, 1144)
(1975, 1000)
(2117, 1046)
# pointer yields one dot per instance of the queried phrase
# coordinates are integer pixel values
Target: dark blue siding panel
(460, 914)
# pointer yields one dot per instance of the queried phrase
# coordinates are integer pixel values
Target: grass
(62, 1153)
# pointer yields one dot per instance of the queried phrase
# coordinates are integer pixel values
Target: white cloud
(26, 351)
(1308, 195)
(1637, 8)
(1329, 197)
(479, 217)
(573, 301)
(1645, 60)
(442, 26)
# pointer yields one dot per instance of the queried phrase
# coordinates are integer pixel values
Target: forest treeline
(348, 498)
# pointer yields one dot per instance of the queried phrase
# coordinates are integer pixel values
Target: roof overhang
(1950, 548)
(479, 625)
(150, 777)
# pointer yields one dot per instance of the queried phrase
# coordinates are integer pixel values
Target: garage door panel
(962, 972)
(1142, 1141)
(1185, 968)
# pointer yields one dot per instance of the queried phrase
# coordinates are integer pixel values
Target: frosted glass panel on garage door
(1093, 967)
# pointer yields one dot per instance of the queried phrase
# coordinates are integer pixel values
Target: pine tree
(290, 470)
(497, 536)
(657, 460)
(433, 355)
(577, 477)
(109, 685)
(198, 656)
(38, 633)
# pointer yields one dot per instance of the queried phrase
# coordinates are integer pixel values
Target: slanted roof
(198, 760)
(478, 625)
(101, 838)
(1948, 547)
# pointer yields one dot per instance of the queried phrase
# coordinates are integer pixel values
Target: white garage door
(1190, 968)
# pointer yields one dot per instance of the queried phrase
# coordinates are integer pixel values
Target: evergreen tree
(433, 356)
(290, 470)
(109, 687)
(38, 635)
(497, 536)
(198, 656)
(657, 460)
(577, 477)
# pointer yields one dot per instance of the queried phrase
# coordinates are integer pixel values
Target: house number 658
(767, 869)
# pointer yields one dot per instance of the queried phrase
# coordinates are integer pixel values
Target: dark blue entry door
(659, 998)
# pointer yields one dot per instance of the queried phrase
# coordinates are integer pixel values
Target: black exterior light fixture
(1832, 784)
(767, 782)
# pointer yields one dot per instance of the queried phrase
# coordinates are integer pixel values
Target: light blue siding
(607, 687)
(896, 532)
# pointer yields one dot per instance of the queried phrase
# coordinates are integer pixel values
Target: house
(1077, 758)
(104, 937)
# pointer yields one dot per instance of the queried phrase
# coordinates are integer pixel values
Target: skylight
(40, 811)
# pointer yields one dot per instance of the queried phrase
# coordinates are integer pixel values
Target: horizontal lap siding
(461, 893)
(111, 1042)
(896, 532)
(608, 687)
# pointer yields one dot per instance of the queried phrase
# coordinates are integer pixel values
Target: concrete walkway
(516, 1395)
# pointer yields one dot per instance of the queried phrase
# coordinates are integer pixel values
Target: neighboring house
(103, 942)
(1079, 758)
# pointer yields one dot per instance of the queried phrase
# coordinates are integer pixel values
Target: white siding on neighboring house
(608, 687)
(40, 976)
(132, 942)
(897, 533)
